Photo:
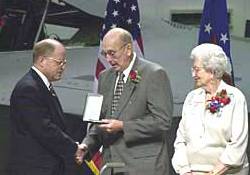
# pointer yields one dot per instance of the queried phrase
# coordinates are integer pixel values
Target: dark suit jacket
(39, 143)
(146, 111)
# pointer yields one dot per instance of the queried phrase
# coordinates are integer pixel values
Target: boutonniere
(219, 101)
(134, 76)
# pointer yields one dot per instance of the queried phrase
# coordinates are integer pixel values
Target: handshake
(81, 151)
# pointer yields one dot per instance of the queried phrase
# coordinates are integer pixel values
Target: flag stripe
(93, 167)
(99, 68)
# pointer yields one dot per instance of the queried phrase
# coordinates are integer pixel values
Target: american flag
(214, 27)
(124, 14)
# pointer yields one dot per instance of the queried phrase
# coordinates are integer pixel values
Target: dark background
(77, 131)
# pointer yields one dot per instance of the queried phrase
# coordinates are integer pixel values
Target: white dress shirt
(126, 71)
(42, 76)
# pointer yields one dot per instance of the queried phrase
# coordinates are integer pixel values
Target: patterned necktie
(118, 92)
(51, 89)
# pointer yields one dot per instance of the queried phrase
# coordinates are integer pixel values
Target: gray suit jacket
(146, 111)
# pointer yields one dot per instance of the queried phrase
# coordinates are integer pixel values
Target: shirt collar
(127, 71)
(42, 76)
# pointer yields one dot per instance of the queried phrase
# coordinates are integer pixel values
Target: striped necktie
(118, 92)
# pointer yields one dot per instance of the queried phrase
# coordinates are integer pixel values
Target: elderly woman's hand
(219, 169)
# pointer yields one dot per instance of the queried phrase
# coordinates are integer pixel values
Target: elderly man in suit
(136, 111)
(40, 144)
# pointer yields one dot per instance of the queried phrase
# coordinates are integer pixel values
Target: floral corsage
(134, 76)
(219, 101)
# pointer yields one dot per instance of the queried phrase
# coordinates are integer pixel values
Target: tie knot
(51, 89)
(121, 75)
(50, 86)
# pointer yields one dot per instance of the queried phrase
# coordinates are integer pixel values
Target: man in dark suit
(135, 123)
(39, 142)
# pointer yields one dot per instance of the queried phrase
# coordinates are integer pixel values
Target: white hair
(213, 58)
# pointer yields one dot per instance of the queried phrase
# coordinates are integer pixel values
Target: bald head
(45, 47)
(117, 48)
(49, 57)
(120, 35)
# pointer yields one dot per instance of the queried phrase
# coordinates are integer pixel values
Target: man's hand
(111, 125)
(80, 153)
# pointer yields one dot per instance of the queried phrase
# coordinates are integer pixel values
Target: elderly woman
(213, 132)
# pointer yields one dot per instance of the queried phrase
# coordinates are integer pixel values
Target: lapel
(129, 89)
(53, 102)
(108, 89)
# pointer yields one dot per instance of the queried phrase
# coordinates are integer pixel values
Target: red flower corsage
(134, 76)
(219, 101)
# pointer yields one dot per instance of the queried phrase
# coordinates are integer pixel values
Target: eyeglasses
(59, 62)
(111, 52)
(196, 69)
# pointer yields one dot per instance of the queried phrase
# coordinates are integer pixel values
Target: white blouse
(204, 138)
